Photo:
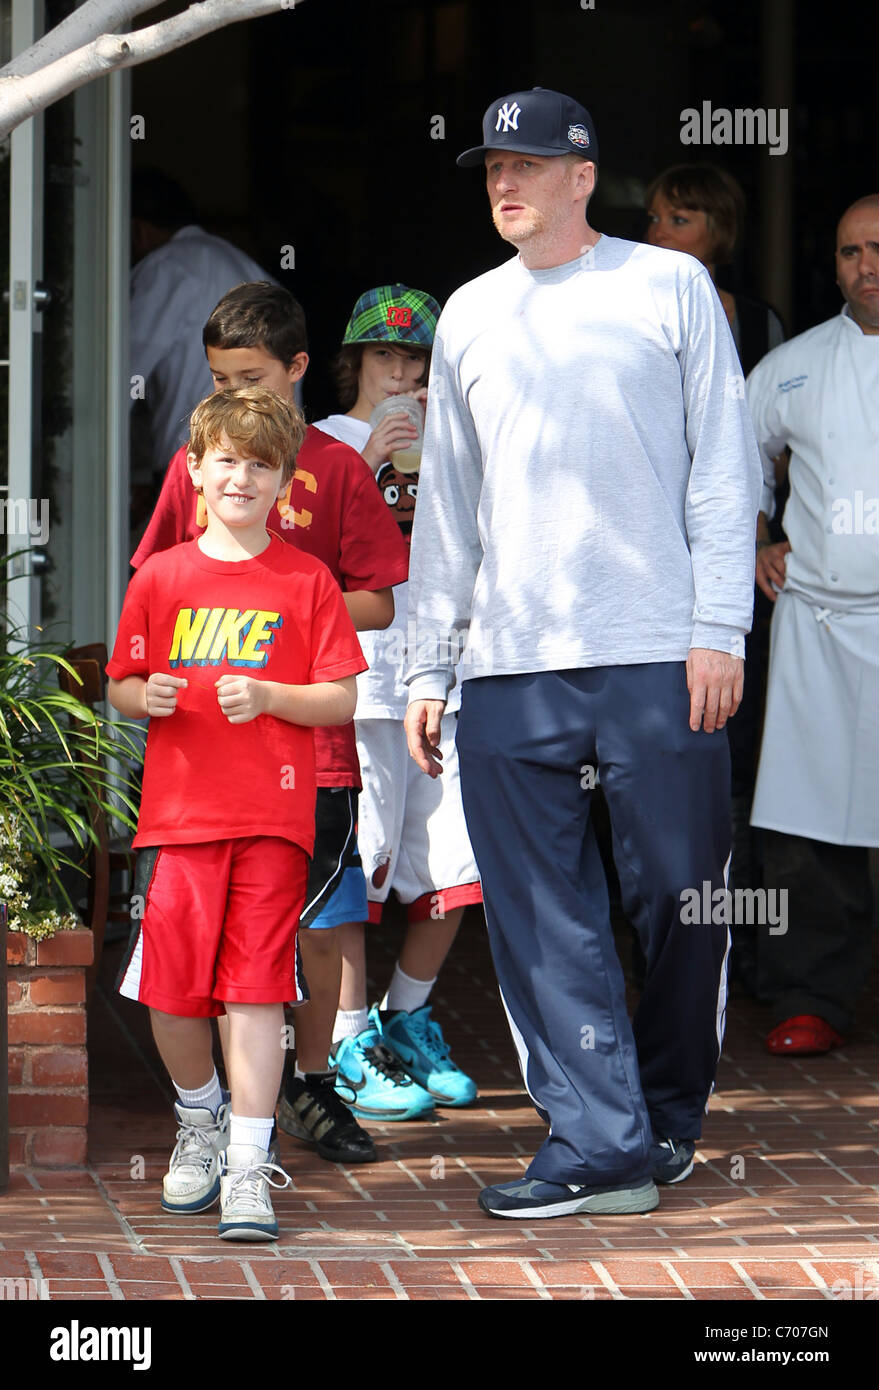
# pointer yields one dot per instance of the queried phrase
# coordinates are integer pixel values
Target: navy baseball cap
(535, 122)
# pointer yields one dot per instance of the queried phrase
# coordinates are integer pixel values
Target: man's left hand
(715, 681)
(423, 733)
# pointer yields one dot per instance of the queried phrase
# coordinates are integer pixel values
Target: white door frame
(100, 368)
(99, 513)
(118, 368)
(25, 270)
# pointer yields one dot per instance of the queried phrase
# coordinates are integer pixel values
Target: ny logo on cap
(399, 316)
(509, 115)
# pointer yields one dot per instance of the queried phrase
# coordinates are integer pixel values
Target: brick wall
(48, 1068)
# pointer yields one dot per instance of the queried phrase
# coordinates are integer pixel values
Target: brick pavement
(783, 1204)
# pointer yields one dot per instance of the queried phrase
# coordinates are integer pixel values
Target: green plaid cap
(393, 314)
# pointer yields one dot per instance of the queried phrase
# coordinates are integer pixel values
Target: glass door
(64, 376)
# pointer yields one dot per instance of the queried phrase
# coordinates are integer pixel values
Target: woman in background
(700, 209)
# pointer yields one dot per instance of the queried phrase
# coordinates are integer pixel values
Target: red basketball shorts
(219, 924)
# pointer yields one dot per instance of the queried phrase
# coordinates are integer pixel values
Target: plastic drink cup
(408, 459)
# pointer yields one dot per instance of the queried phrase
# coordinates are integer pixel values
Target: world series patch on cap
(535, 122)
(393, 314)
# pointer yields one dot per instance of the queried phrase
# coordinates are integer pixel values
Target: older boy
(236, 647)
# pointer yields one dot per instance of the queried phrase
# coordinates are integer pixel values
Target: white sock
(243, 1129)
(349, 1024)
(209, 1097)
(406, 993)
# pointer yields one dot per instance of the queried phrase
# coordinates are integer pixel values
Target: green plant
(60, 765)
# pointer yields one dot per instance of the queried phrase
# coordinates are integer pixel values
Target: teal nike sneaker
(418, 1041)
(372, 1082)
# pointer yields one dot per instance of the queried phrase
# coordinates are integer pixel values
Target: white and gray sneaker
(245, 1201)
(192, 1182)
(528, 1198)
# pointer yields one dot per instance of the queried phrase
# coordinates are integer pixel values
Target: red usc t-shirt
(332, 510)
(279, 616)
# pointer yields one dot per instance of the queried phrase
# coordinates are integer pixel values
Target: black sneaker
(311, 1110)
(671, 1160)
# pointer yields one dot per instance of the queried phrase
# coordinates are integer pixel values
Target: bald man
(817, 794)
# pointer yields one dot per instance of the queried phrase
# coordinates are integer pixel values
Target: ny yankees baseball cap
(393, 314)
(535, 122)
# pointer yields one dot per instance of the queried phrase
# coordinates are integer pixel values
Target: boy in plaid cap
(412, 837)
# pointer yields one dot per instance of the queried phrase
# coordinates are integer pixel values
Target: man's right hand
(771, 569)
(423, 720)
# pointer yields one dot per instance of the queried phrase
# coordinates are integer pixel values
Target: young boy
(236, 646)
(412, 834)
(332, 510)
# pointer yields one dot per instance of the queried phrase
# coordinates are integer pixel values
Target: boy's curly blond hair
(257, 421)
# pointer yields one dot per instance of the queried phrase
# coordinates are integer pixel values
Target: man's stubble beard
(524, 231)
(865, 312)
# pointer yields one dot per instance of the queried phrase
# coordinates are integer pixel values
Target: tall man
(586, 504)
(817, 795)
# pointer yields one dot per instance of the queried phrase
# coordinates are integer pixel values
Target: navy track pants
(528, 746)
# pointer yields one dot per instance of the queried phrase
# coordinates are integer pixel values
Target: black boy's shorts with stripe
(335, 853)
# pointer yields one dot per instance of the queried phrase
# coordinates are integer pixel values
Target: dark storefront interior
(317, 129)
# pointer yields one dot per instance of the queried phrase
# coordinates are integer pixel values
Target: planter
(48, 1066)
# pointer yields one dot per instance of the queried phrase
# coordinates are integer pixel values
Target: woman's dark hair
(708, 189)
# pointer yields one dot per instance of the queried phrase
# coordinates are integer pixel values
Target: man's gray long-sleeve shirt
(590, 478)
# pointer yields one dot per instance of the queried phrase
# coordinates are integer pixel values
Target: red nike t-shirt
(333, 510)
(279, 616)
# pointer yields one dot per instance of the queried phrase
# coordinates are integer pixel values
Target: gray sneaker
(530, 1198)
(246, 1211)
(192, 1182)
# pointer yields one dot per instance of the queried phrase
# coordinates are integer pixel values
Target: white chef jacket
(174, 290)
(819, 763)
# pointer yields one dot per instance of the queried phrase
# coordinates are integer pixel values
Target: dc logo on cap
(509, 115)
(578, 135)
(399, 316)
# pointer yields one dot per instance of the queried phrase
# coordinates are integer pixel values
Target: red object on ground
(803, 1036)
